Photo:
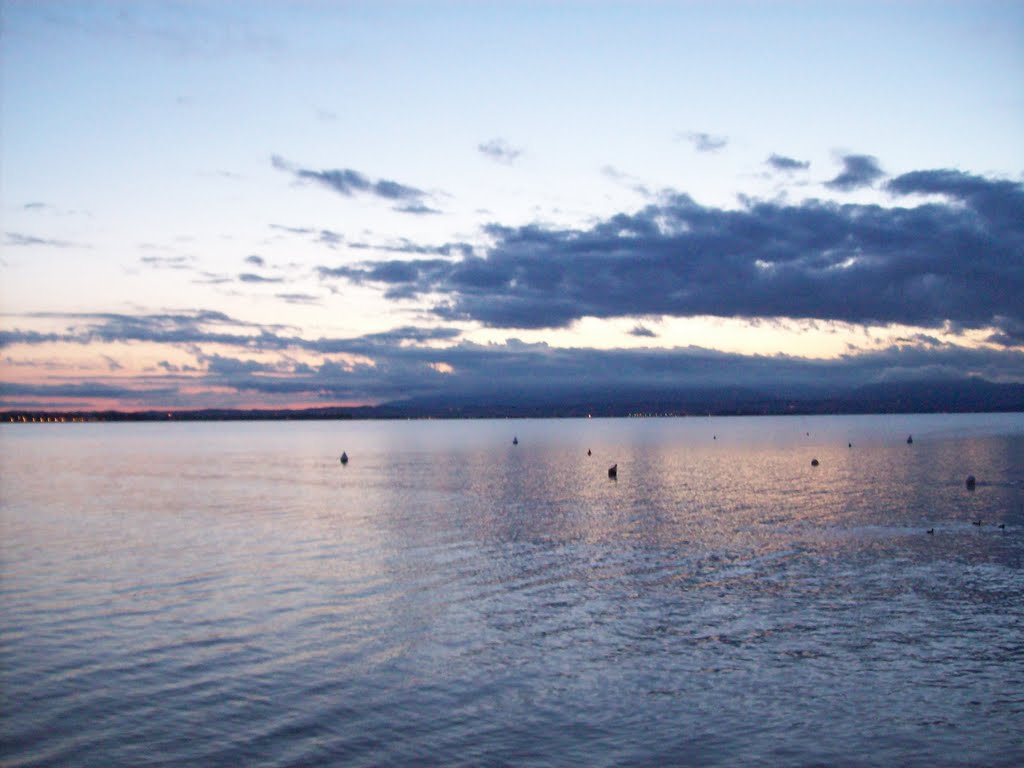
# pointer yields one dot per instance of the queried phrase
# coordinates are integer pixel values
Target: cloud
(293, 230)
(167, 262)
(500, 151)
(298, 298)
(408, 361)
(927, 265)
(706, 142)
(348, 182)
(858, 171)
(20, 240)
(248, 277)
(787, 164)
(642, 331)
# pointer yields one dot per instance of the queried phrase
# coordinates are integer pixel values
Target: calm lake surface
(227, 594)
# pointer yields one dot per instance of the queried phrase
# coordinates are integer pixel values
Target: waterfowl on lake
(910, 439)
(588, 451)
(1002, 526)
(613, 471)
(931, 531)
(515, 441)
(976, 522)
(814, 462)
(970, 482)
(344, 458)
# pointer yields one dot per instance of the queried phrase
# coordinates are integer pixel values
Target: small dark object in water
(931, 531)
(613, 471)
(849, 445)
(714, 437)
(910, 439)
(588, 451)
(814, 462)
(970, 482)
(515, 441)
(344, 458)
(976, 522)
(1002, 526)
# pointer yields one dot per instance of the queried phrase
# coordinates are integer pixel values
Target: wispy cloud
(705, 142)
(16, 239)
(500, 151)
(348, 182)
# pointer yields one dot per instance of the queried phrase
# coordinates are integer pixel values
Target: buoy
(814, 462)
(910, 439)
(970, 482)
(344, 458)
(613, 471)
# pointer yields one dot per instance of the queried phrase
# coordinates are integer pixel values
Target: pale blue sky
(137, 144)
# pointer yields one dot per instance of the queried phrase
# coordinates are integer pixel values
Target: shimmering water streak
(230, 594)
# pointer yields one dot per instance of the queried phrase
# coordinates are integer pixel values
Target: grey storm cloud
(500, 151)
(782, 163)
(858, 171)
(348, 182)
(959, 260)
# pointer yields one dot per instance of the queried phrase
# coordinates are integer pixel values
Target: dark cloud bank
(951, 257)
(957, 260)
(518, 377)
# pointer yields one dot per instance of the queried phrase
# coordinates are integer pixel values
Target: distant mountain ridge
(939, 396)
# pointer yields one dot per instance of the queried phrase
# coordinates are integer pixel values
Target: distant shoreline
(51, 417)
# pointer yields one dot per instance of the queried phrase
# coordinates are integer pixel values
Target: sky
(295, 204)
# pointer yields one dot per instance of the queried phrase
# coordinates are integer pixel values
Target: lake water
(227, 594)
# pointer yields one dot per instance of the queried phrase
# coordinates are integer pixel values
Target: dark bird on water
(970, 482)
(1002, 526)
(976, 522)
(910, 439)
(344, 458)
(515, 441)
(588, 451)
(931, 531)
(849, 445)
(814, 462)
(613, 471)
